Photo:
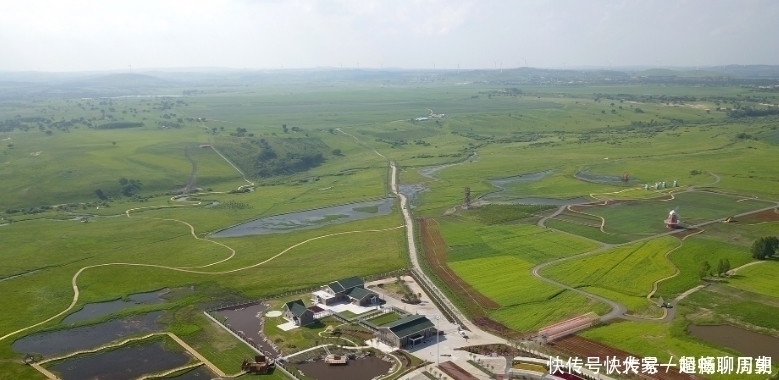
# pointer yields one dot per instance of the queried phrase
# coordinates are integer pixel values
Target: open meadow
(123, 195)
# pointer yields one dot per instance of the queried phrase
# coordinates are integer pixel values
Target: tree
(284, 127)
(765, 247)
(704, 269)
(337, 152)
(726, 266)
(113, 143)
(129, 186)
(100, 194)
(721, 267)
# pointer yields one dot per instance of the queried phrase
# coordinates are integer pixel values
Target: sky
(81, 35)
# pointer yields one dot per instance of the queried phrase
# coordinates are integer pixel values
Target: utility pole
(437, 346)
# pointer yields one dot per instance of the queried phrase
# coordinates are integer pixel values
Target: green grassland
(629, 270)
(760, 278)
(496, 260)
(564, 129)
(469, 239)
(689, 256)
(640, 218)
(75, 245)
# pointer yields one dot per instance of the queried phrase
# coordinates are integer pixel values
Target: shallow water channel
(308, 219)
(100, 309)
(58, 342)
(504, 194)
(123, 363)
(744, 341)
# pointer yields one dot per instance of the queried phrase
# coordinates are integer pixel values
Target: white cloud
(84, 35)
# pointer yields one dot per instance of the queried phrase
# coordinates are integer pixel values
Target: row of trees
(705, 270)
(762, 249)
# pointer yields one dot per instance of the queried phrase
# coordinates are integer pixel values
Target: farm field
(629, 270)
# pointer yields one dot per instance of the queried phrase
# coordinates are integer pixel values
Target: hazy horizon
(84, 36)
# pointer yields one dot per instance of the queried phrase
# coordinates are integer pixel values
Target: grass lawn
(759, 278)
(300, 338)
(385, 319)
(688, 258)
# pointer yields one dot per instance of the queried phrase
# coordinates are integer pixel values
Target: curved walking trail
(619, 310)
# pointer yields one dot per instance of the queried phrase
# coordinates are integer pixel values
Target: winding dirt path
(74, 279)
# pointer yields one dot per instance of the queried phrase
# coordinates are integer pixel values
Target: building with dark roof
(406, 331)
(297, 312)
(350, 289)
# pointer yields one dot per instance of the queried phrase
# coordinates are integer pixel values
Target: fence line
(436, 298)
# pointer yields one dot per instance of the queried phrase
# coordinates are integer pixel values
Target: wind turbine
(501, 66)
(458, 67)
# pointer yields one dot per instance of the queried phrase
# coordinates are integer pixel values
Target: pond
(412, 192)
(502, 183)
(607, 179)
(429, 171)
(100, 309)
(309, 219)
(746, 342)
(123, 363)
(246, 321)
(358, 369)
(58, 342)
